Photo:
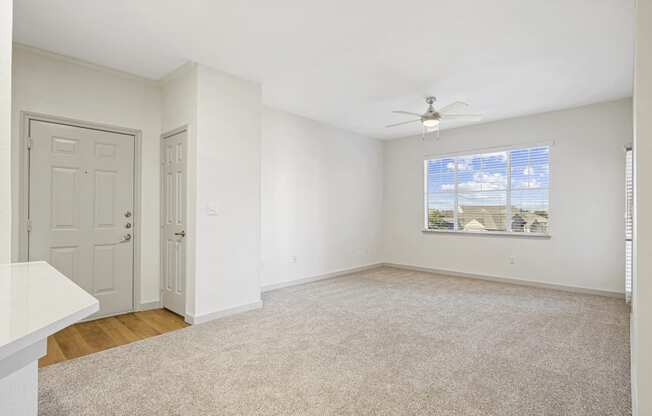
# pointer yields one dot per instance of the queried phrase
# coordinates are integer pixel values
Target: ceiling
(349, 63)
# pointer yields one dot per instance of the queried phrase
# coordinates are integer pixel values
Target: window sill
(489, 233)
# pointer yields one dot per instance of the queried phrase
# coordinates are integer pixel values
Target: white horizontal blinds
(440, 200)
(482, 192)
(498, 191)
(530, 172)
(629, 222)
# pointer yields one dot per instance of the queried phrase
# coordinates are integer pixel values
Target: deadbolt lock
(127, 214)
(128, 225)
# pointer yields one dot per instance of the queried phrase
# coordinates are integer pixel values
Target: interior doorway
(173, 220)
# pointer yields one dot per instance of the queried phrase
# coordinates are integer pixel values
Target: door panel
(173, 207)
(64, 212)
(178, 197)
(103, 268)
(105, 198)
(80, 188)
(66, 260)
(171, 257)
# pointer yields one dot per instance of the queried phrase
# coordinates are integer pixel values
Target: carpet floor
(380, 342)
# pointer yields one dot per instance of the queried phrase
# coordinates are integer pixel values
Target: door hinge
(29, 225)
(29, 143)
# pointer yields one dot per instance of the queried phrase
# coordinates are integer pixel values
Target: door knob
(181, 233)
(126, 238)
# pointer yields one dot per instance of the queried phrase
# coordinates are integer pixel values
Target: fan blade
(406, 112)
(461, 117)
(456, 106)
(403, 122)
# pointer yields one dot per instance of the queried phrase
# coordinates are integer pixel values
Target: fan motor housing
(431, 116)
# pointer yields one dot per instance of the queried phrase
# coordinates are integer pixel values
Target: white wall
(6, 20)
(321, 198)
(323, 186)
(54, 85)
(331, 199)
(587, 170)
(642, 289)
(179, 97)
(223, 115)
(223, 251)
(227, 246)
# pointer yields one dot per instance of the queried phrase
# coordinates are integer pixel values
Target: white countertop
(35, 302)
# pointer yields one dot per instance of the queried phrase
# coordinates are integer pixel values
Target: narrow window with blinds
(503, 192)
(629, 222)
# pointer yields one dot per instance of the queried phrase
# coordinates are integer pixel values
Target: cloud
(481, 182)
(531, 184)
(462, 165)
(465, 163)
(479, 186)
(489, 178)
(502, 156)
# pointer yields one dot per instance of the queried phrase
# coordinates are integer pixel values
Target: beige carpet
(383, 342)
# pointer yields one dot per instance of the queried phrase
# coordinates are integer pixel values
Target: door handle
(127, 237)
(181, 233)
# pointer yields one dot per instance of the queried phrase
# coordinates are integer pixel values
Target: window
(629, 223)
(504, 192)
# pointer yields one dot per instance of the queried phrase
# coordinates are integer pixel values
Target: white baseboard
(146, 306)
(200, 319)
(510, 280)
(331, 275)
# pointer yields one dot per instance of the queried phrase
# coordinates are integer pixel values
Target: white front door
(173, 221)
(81, 191)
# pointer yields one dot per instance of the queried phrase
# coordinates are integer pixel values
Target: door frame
(164, 136)
(24, 172)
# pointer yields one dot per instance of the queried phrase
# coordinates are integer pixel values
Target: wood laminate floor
(93, 336)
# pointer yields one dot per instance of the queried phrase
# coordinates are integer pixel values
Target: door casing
(23, 206)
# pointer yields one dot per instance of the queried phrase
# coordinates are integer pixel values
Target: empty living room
(325, 208)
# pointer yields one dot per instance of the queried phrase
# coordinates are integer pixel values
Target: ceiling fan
(432, 118)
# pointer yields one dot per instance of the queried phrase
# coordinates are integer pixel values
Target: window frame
(508, 191)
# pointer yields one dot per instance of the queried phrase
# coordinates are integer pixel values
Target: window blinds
(629, 222)
(503, 191)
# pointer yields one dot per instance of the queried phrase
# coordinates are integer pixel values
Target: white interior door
(81, 186)
(173, 222)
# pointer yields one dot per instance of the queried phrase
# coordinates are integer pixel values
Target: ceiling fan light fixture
(430, 123)
(431, 118)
